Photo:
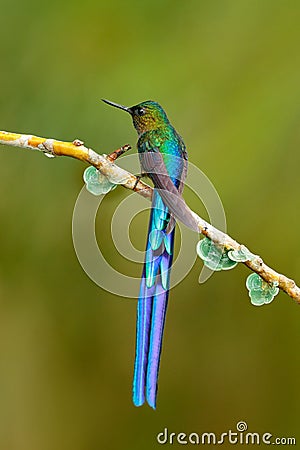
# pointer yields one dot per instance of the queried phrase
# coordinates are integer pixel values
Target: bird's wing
(153, 164)
(184, 173)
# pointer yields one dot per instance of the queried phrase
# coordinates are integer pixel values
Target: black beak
(125, 108)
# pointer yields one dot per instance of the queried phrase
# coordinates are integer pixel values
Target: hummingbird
(163, 158)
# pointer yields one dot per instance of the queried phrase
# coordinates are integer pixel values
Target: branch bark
(106, 165)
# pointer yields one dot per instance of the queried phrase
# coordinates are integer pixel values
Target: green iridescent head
(146, 116)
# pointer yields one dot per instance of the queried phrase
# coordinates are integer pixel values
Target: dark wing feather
(153, 164)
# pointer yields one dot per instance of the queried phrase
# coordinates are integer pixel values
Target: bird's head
(146, 116)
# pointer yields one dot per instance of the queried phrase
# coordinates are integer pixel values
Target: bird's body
(163, 159)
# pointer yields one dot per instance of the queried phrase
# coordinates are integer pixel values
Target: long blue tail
(152, 303)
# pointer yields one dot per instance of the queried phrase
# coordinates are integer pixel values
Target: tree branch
(105, 164)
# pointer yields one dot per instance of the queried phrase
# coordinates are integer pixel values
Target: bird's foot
(138, 178)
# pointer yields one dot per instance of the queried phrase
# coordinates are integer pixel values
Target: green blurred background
(227, 72)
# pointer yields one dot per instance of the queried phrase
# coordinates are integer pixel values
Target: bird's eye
(140, 111)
